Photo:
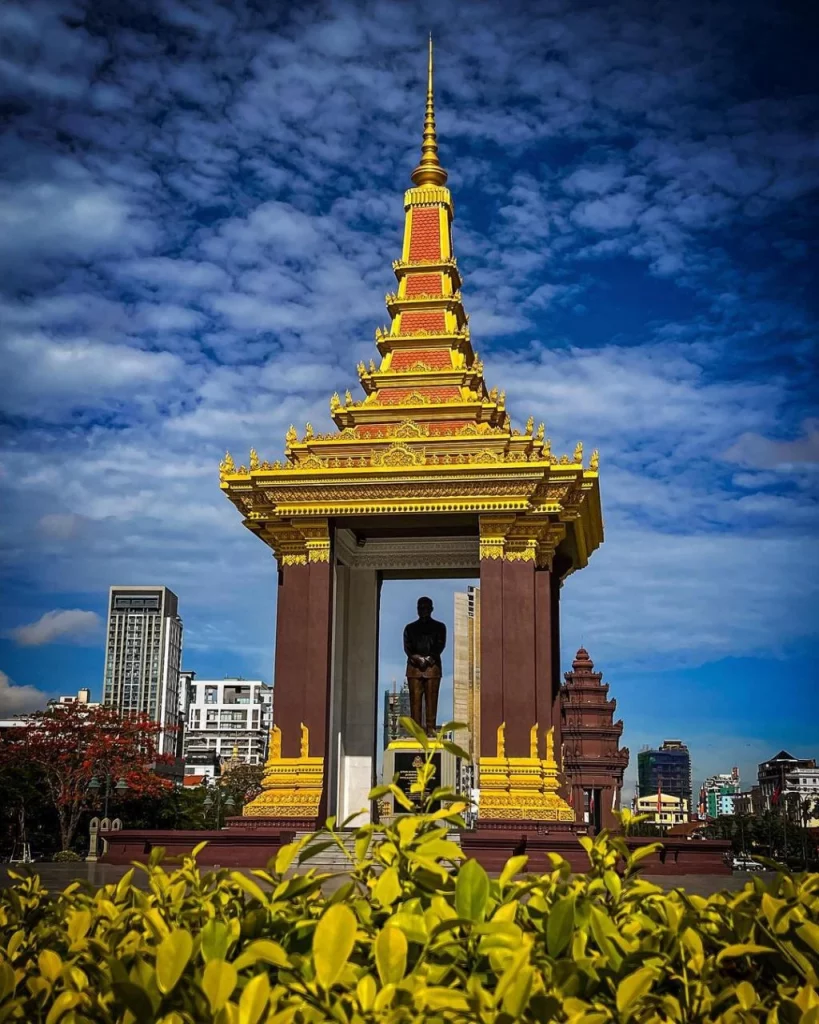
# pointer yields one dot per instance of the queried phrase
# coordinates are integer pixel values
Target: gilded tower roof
(425, 433)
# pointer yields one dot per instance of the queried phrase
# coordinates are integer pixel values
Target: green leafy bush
(66, 856)
(413, 933)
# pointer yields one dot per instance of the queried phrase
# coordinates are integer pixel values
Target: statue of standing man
(424, 640)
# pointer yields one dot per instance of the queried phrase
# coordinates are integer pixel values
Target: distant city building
(792, 782)
(663, 809)
(82, 696)
(143, 657)
(396, 707)
(719, 793)
(186, 678)
(667, 768)
(593, 763)
(227, 717)
(466, 674)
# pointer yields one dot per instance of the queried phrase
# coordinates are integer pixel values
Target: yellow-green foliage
(415, 934)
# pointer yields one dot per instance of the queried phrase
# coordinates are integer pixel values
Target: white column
(354, 701)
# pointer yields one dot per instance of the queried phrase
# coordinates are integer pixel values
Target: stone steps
(333, 860)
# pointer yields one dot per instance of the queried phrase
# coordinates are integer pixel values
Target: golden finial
(254, 459)
(550, 744)
(227, 465)
(335, 402)
(304, 746)
(308, 431)
(429, 170)
(594, 465)
(275, 748)
(541, 432)
(533, 741)
(362, 369)
(578, 452)
(348, 398)
(372, 366)
(530, 426)
(502, 740)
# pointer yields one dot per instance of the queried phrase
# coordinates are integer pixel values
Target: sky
(199, 207)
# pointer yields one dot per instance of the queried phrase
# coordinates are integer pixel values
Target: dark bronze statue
(424, 640)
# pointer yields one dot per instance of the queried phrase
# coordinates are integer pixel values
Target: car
(746, 864)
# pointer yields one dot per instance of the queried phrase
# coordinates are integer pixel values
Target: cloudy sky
(199, 208)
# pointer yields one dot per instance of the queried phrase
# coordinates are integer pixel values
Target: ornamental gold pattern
(429, 435)
(521, 788)
(291, 786)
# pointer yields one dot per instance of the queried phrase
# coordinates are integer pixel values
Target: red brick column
(302, 674)
(492, 710)
(519, 676)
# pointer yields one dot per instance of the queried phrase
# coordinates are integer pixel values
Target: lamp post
(95, 785)
(228, 802)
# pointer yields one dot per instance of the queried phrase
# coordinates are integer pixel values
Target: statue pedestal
(403, 758)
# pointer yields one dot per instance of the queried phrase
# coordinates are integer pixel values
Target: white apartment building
(227, 715)
(662, 808)
(143, 657)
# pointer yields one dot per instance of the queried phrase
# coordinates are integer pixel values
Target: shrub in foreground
(415, 933)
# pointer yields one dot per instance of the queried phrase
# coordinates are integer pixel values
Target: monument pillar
(518, 768)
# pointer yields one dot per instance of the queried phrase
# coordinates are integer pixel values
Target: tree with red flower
(71, 744)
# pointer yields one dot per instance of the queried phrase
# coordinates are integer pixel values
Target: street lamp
(120, 788)
(227, 802)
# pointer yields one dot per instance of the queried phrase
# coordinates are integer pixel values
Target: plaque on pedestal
(403, 758)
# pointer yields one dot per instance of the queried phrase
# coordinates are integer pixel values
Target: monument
(593, 762)
(424, 642)
(424, 476)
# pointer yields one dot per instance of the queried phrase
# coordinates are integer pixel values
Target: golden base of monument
(291, 786)
(521, 788)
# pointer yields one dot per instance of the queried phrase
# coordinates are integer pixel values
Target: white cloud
(59, 625)
(753, 450)
(19, 700)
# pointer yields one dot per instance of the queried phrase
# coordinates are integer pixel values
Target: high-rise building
(396, 707)
(593, 763)
(466, 674)
(227, 718)
(718, 794)
(143, 657)
(667, 769)
(186, 695)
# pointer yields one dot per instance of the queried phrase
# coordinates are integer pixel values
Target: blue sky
(199, 208)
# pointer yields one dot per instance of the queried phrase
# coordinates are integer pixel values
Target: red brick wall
(437, 358)
(425, 234)
(423, 284)
(431, 321)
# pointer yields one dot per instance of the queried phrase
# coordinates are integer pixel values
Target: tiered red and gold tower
(593, 762)
(427, 450)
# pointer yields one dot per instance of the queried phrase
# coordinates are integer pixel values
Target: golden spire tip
(429, 170)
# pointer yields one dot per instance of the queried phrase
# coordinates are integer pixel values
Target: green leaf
(218, 982)
(415, 730)
(559, 926)
(50, 964)
(742, 949)
(511, 868)
(8, 980)
(453, 748)
(634, 987)
(809, 934)
(78, 925)
(391, 955)
(254, 999)
(172, 957)
(215, 940)
(333, 943)
(135, 999)
(285, 857)
(472, 891)
(387, 888)
(516, 996)
(746, 994)
(62, 1004)
(366, 990)
(253, 889)
(266, 950)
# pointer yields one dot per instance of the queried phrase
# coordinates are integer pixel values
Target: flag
(571, 796)
(777, 793)
(591, 803)
(659, 796)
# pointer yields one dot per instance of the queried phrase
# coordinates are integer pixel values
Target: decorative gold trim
(291, 786)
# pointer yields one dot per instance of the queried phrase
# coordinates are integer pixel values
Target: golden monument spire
(429, 170)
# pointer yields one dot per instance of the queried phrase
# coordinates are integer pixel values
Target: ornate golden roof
(426, 434)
